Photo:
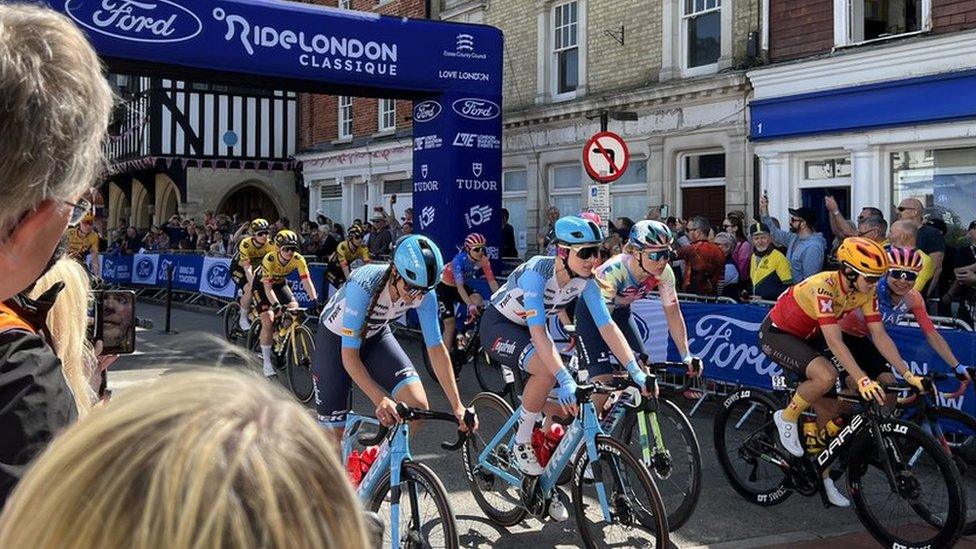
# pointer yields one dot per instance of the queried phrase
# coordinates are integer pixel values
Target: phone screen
(116, 322)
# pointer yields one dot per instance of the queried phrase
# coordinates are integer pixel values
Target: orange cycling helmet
(864, 256)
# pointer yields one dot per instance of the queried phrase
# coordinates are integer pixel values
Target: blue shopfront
(451, 71)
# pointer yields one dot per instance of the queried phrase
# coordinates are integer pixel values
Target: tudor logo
(156, 21)
(476, 109)
(426, 111)
(426, 216)
(423, 171)
(476, 169)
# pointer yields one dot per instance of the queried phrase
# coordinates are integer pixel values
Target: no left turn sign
(605, 157)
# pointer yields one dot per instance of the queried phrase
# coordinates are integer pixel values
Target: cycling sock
(525, 427)
(266, 355)
(796, 407)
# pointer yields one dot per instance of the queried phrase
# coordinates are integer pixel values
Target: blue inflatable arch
(451, 71)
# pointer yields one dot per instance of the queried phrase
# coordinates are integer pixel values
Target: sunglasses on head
(586, 252)
(902, 274)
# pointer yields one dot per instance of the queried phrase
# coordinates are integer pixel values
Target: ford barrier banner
(215, 278)
(144, 269)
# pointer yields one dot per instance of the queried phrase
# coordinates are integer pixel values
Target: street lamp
(605, 115)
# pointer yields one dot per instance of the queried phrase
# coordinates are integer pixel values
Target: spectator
(195, 459)
(156, 240)
(217, 246)
(131, 243)
(311, 243)
(843, 228)
(623, 225)
(672, 223)
(324, 223)
(904, 234)
(929, 240)
(543, 240)
(653, 213)
(339, 232)
(704, 261)
(873, 228)
(734, 224)
(769, 270)
(964, 286)
(203, 243)
(407, 227)
(381, 238)
(729, 285)
(509, 247)
(805, 249)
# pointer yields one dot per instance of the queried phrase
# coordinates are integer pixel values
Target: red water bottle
(354, 467)
(367, 458)
(539, 446)
(554, 435)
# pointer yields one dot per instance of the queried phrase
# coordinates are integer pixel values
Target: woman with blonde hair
(204, 459)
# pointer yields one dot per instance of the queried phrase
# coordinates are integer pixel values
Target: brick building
(871, 102)
(356, 152)
(679, 65)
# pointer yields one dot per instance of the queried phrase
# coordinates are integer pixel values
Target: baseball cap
(806, 214)
(758, 228)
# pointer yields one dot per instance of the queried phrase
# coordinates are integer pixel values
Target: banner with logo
(215, 277)
(144, 269)
(115, 269)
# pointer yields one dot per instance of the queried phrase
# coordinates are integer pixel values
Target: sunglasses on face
(289, 249)
(261, 233)
(901, 274)
(903, 208)
(658, 255)
(414, 291)
(478, 249)
(587, 252)
(727, 226)
(871, 279)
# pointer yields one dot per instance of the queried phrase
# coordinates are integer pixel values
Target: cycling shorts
(238, 275)
(388, 365)
(594, 353)
(865, 354)
(506, 342)
(795, 354)
(283, 291)
(448, 298)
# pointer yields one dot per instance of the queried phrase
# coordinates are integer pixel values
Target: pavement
(722, 520)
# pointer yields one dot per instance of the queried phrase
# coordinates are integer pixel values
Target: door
(705, 201)
(814, 198)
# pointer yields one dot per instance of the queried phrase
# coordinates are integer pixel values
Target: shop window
(943, 179)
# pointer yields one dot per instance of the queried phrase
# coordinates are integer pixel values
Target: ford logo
(643, 331)
(476, 109)
(426, 111)
(218, 276)
(156, 21)
(144, 268)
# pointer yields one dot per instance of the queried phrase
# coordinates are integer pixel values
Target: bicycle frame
(579, 432)
(646, 408)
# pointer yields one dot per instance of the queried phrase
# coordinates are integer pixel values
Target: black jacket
(35, 402)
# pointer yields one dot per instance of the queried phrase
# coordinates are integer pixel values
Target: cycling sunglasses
(261, 233)
(871, 279)
(289, 249)
(902, 274)
(415, 291)
(586, 252)
(658, 255)
(478, 249)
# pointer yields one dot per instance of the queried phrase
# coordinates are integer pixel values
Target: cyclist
(623, 279)
(897, 297)
(513, 330)
(274, 292)
(453, 288)
(347, 251)
(252, 249)
(83, 240)
(354, 342)
(805, 320)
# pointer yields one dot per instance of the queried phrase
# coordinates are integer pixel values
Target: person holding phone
(117, 318)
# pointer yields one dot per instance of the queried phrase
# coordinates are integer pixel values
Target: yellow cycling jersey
(274, 271)
(79, 245)
(248, 251)
(346, 254)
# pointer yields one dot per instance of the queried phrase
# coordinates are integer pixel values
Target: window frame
(684, 182)
(554, 192)
(517, 195)
(888, 172)
(638, 189)
(683, 20)
(844, 20)
(328, 184)
(840, 181)
(344, 4)
(553, 51)
(382, 113)
(344, 117)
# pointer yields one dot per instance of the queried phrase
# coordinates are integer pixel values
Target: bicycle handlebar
(408, 413)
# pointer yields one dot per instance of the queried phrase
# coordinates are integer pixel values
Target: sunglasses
(795, 220)
(727, 226)
(414, 291)
(903, 208)
(478, 249)
(288, 249)
(901, 274)
(586, 252)
(78, 210)
(871, 279)
(262, 233)
(657, 255)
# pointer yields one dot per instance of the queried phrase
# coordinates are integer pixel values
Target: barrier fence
(722, 333)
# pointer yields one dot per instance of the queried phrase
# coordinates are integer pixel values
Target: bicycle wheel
(499, 500)
(426, 518)
(232, 317)
(638, 517)
(253, 342)
(959, 430)
(676, 465)
(926, 505)
(745, 441)
(492, 376)
(298, 355)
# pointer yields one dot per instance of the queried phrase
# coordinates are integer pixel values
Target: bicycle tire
(486, 405)
(413, 473)
(619, 457)
(299, 373)
(253, 341)
(761, 432)
(862, 456)
(959, 429)
(232, 317)
(680, 501)
(489, 374)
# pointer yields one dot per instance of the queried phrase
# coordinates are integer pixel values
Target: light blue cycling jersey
(532, 293)
(344, 314)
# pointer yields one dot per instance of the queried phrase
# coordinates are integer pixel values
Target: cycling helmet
(571, 231)
(904, 259)
(354, 232)
(864, 256)
(650, 234)
(88, 218)
(475, 239)
(418, 261)
(260, 225)
(286, 238)
(592, 216)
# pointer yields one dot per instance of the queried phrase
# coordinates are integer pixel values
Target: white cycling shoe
(244, 323)
(788, 436)
(558, 511)
(525, 460)
(833, 494)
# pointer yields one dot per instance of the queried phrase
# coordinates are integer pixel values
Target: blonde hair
(205, 459)
(67, 322)
(56, 107)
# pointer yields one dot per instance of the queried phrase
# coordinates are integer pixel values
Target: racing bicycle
(292, 348)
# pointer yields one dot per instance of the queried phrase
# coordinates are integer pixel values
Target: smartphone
(392, 199)
(115, 321)
(665, 210)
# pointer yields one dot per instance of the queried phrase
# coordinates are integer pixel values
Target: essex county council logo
(158, 21)
(144, 268)
(218, 276)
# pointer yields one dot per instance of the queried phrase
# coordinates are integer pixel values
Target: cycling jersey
(818, 301)
(912, 302)
(770, 274)
(532, 293)
(345, 313)
(464, 269)
(80, 245)
(274, 271)
(619, 287)
(346, 254)
(248, 251)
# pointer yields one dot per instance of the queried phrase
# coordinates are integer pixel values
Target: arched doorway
(250, 202)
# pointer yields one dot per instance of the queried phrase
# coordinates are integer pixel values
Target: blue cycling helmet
(573, 231)
(418, 261)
